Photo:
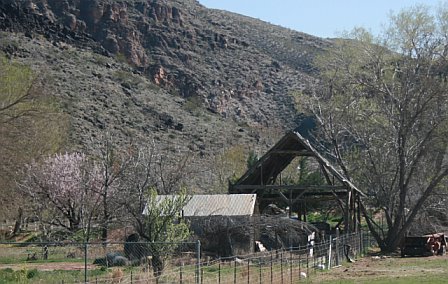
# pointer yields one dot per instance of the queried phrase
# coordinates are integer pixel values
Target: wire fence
(172, 263)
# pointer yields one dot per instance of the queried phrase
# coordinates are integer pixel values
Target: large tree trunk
(18, 224)
(157, 265)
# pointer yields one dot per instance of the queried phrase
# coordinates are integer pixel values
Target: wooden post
(353, 226)
(198, 262)
(248, 271)
(337, 254)
(359, 211)
(304, 210)
(290, 203)
(281, 266)
(330, 253)
(234, 271)
(347, 218)
(180, 274)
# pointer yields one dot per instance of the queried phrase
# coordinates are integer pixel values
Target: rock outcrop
(235, 66)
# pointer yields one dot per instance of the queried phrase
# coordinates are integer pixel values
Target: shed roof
(218, 205)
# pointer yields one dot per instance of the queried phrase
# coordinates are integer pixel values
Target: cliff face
(235, 66)
(191, 80)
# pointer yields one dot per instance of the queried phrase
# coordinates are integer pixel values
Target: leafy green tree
(31, 126)
(382, 111)
(163, 226)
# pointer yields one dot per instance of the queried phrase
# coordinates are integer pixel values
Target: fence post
(337, 246)
(198, 263)
(259, 268)
(307, 264)
(85, 262)
(290, 265)
(219, 271)
(248, 271)
(234, 271)
(368, 240)
(271, 269)
(281, 265)
(329, 253)
(361, 244)
(180, 276)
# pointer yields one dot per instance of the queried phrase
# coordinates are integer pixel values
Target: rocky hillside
(193, 78)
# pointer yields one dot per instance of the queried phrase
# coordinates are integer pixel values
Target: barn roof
(218, 205)
(263, 175)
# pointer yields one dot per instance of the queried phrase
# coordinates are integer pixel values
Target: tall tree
(149, 168)
(157, 220)
(31, 125)
(382, 108)
(111, 165)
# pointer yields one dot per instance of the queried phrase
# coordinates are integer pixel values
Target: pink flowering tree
(63, 190)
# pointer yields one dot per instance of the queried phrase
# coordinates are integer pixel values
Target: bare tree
(150, 167)
(382, 112)
(112, 165)
(151, 172)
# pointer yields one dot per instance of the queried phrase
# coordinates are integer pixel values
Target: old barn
(264, 178)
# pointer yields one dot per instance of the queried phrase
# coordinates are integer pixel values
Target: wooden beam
(298, 197)
(324, 170)
(322, 193)
(293, 152)
(288, 187)
(284, 198)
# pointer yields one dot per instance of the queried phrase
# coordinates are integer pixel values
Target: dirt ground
(369, 269)
(49, 266)
(387, 269)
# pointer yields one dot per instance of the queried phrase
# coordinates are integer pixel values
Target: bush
(32, 273)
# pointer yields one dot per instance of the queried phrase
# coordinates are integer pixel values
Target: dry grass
(391, 269)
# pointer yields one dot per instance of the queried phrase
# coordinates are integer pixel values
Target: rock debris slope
(172, 71)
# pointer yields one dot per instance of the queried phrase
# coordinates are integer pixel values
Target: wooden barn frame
(264, 179)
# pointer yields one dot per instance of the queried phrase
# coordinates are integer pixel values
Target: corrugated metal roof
(219, 204)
